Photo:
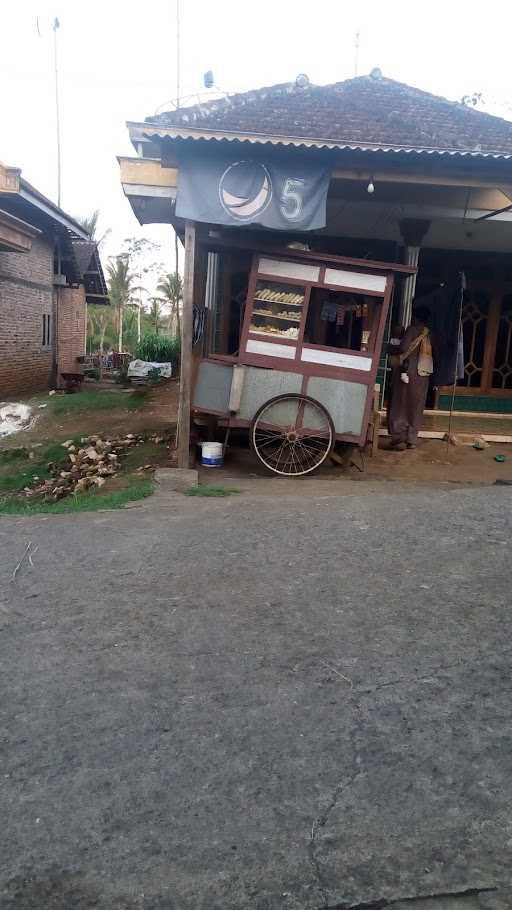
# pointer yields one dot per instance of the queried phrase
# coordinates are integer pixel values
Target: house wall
(71, 322)
(26, 294)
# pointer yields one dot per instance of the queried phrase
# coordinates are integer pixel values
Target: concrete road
(283, 701)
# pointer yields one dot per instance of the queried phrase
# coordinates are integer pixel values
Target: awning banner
(284, 193)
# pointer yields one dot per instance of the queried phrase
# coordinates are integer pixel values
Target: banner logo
(245, 190)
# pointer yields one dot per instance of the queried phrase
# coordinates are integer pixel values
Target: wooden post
(376, 419)
(186, 347)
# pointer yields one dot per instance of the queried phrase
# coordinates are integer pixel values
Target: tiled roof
(91, 271)
(368, 111)
(84, 251)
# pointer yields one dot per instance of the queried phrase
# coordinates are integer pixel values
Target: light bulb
(370, 188)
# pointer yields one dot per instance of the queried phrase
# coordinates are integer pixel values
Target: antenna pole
(56, 26)
(177, 53)
(356, 54)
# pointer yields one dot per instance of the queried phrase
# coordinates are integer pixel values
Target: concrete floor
(267, 701)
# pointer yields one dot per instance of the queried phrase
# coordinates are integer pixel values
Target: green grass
(8, 456)
(139, 455)
(16, 480)
(96, 400)
(18, 471)
(136, 488)
(211, 490)
(55, 451)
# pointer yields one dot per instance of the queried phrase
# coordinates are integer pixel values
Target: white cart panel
(262, 384)
(344, 400)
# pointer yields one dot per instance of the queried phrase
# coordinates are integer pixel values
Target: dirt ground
(432, 463)
(158, 413)
(436, 461)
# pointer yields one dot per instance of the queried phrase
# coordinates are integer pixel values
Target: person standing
(412, 368)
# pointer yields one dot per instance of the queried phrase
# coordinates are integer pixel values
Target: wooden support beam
(376, 419)
(186, 347)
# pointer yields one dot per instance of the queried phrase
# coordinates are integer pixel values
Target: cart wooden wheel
(292, 434)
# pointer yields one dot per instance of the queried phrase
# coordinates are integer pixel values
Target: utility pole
(177, 53)
(356, 54)
(177, 105)
(56, 26)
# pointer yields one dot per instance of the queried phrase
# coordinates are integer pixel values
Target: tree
(101, 331)
(170, 287)
(90, 224)
(155, 312)
(120, 281)
(101, 320)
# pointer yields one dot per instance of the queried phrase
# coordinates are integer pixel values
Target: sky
(117, 62)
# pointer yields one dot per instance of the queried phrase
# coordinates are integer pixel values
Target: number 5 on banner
(292, 201)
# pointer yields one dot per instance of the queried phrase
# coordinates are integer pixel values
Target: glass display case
(277, 310)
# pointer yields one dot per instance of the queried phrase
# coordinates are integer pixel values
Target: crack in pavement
(319, 823)
(416, 900)
(429, 676)
(356, 696)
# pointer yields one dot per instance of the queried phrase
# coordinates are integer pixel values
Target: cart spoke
(277, 455)
(310, 455)
(313, 446)
(310, 458)
(264, 441)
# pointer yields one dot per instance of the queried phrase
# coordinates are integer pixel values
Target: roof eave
(146, 131)
(27, 192)
(15, 222)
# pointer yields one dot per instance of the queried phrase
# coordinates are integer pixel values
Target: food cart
(309, 348)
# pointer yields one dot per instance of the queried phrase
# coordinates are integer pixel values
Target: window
(47, 329)
(340, 320)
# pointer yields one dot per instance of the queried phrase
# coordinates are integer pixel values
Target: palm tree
(155, 312)
(170, 287)
(120, 281)
(101, 320)
(90, 225)
(98, 321)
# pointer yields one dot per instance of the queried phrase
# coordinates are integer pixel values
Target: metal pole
(177, 57)
(454, 389)
(56, 25)
(409, 286)
(356, 54)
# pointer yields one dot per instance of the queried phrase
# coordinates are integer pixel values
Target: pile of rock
(86, 465)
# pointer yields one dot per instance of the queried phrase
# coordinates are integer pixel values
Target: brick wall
(26, 294)
(71, 316)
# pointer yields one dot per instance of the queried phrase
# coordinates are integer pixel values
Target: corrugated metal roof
(146, 131)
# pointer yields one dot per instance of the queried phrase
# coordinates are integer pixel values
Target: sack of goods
(140, 369)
